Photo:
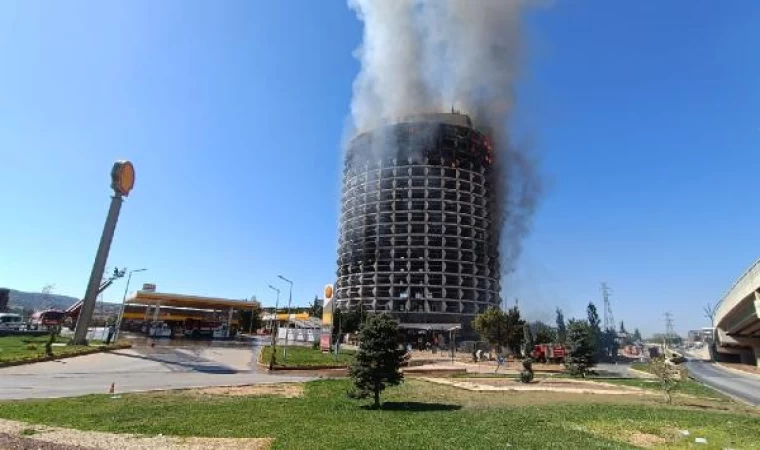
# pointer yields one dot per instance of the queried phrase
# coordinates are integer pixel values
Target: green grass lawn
(415, 415)
(642, 366)
(307, 356)
(15, 349)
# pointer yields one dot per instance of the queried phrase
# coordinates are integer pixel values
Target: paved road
(136, 369)
(743, 387)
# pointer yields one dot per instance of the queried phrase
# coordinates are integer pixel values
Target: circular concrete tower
(418, 238)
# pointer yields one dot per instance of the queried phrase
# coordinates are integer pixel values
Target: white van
(10, 321)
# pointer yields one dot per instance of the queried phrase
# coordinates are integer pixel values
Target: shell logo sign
(327, 307)
(122, 177)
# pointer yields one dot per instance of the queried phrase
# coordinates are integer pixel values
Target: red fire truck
(554, 353)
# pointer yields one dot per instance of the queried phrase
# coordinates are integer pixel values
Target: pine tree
(561, 328)
(596, 330)
(378, 359)
(583, 353)
(636, 335)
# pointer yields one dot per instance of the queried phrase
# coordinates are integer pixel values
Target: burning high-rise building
(419, 237)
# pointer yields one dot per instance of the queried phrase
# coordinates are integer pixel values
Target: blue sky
(645, 116)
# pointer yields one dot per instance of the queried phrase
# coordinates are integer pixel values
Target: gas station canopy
(187, 301)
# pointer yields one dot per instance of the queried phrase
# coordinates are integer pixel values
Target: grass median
(307, 357)
(416, 414)
(23, 349)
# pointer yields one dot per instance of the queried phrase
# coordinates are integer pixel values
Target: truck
(552, 353)
(42, 320)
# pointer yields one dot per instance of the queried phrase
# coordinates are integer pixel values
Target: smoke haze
(422, 56)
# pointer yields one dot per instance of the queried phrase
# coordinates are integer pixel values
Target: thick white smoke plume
(422, 56)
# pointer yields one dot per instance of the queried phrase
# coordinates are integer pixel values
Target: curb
(101, 349)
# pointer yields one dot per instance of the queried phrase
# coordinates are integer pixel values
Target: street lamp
(287, 330)
(123, 300)
(274, 327)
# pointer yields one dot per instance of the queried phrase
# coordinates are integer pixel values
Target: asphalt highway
(742, 387)
(136, 369)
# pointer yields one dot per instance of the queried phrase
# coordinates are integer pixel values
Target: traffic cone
(111, 389)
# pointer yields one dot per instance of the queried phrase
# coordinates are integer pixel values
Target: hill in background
(38, 300)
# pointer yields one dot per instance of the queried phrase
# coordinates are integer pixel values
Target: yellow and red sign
(122, 177)
(327, 307)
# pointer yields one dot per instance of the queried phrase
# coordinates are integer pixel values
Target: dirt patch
(55, 438)
(279, 390)
(552, 385)
(645, 440)
(12, 442)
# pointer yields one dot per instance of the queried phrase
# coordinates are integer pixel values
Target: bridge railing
(742, 287)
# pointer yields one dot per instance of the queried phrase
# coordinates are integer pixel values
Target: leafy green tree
(514, 329)
(492, 325)
(610, 344)
(561, 328)
(346, 322)
(500, 328)
(378, 361)
(596, 330)
(315, 309)
(583, 353)
(636, 335)
(543, 333)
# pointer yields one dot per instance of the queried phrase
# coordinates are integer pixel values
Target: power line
(669, 332)
(609, 320)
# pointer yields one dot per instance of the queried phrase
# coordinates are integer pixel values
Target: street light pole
(123, 301)
(287, 330)
(274, 327)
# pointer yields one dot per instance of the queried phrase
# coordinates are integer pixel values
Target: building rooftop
(455, 118)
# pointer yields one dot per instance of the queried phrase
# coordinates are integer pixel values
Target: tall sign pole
(328, 309)
(122, 182)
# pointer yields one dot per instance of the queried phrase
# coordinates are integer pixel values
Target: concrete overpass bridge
(737, 320)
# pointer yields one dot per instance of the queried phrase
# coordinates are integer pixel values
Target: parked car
(10, 321)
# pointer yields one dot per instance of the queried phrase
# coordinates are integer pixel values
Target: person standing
(111, 331)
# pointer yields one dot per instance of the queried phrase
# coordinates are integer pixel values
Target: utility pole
(669, 333)
(275, 328)
(287, 330)
(609, 320)
(123, 302)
